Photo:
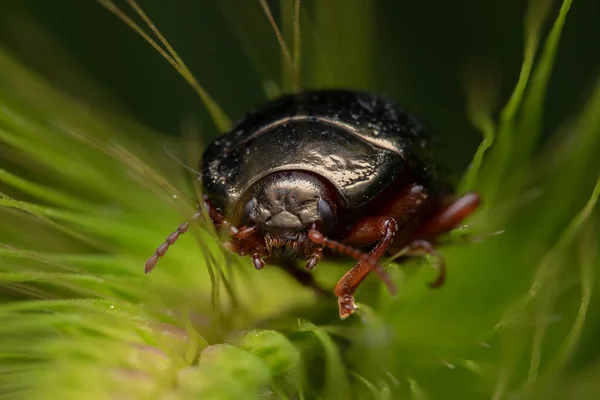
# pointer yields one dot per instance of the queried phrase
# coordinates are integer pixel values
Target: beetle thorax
(285, 205)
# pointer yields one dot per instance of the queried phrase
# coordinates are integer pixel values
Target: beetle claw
(347, 305)
(311, 263)
(316, 257)
(257, 261)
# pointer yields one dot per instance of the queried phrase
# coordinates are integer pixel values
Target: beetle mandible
(328, 169)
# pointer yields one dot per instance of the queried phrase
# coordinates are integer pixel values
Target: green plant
(81, 192)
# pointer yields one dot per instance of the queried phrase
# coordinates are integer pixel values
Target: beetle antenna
(318, 238)
(171, 239)
(178, 161)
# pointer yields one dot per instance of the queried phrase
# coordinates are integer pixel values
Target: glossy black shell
(358, 141)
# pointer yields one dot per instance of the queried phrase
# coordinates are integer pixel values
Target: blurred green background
(87, 192)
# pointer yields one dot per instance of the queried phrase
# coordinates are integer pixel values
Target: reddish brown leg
(443, 221)
(217, 218)
(318, 238)
(365, 231)
(372, 229)
(247, 240)
(245, 237)
(314, 259)
(449, 217)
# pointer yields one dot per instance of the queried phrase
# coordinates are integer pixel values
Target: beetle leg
(365, 231)
(449, 217)
(257, 261)
(314, 259)
(245, 236)
(217, 218)
(318, 238)
(243, 233)
(247, 240)
(406, 204)
(441, 222)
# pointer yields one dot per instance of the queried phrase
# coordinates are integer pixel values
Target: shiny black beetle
(332, 169)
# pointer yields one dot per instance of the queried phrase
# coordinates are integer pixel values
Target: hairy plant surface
(87, 195)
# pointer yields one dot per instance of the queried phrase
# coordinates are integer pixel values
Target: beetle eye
(326, 214)
(248, 211)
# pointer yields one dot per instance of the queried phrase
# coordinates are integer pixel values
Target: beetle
(348, 171)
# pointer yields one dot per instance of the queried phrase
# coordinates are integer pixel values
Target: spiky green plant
(81, 190)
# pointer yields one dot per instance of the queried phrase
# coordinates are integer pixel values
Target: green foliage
(85, 197)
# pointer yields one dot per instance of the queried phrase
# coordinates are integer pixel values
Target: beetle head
(289, 203)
